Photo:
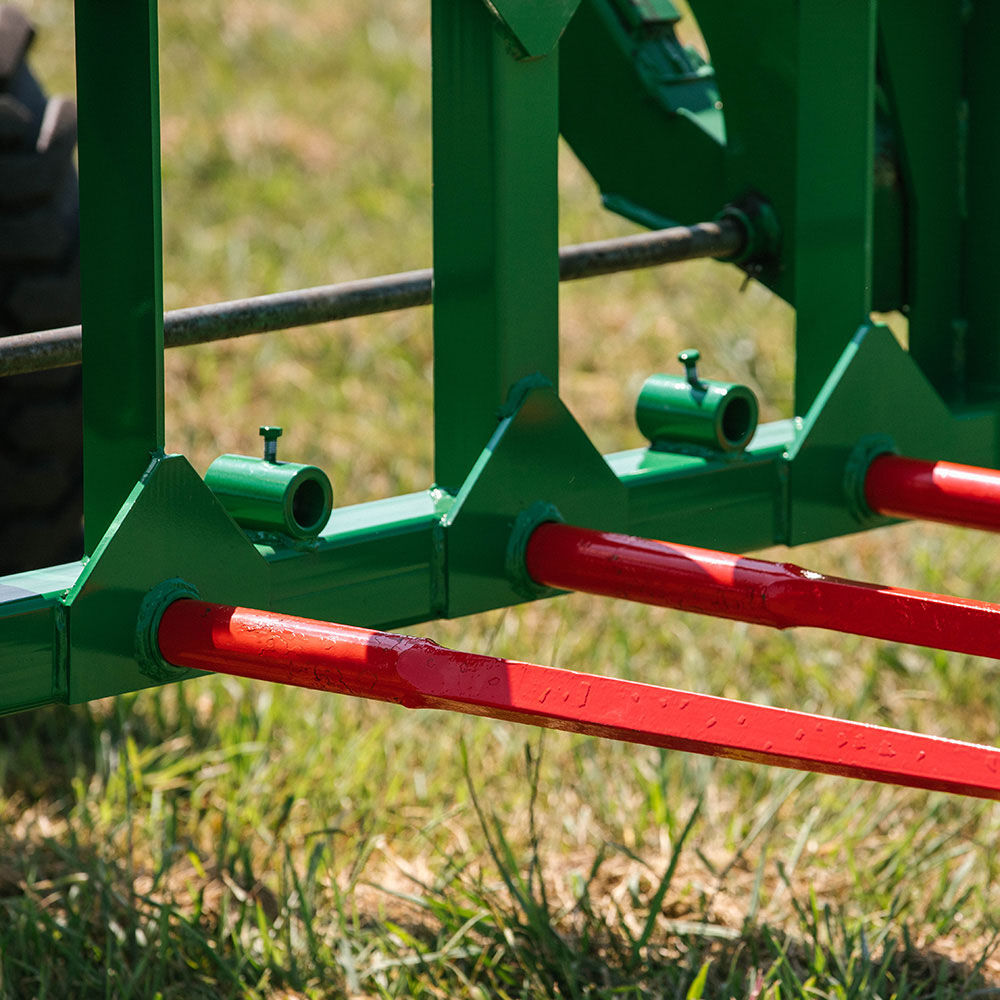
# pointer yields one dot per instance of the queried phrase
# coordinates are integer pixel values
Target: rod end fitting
(763, 232)
(527, 521)
(147, 647)
(856, 472)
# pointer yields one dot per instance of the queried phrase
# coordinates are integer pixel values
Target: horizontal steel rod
(418, 673)
(934, 491)
(327, 303)
(753, 590)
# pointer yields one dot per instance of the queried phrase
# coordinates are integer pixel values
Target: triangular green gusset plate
(170, 528)
(539, 457)
(875, 399)
(537, 25)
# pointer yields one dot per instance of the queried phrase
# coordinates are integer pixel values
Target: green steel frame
(856, 140)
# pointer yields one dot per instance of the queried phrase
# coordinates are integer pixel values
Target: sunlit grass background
(234, 839)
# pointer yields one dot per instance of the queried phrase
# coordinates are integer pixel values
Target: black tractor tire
(41, 467)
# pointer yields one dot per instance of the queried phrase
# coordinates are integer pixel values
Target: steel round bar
(724, 238)
(368, 296)
(418, 673)
(35, 352)
(780, 595)
(305, 307)
(934, 491)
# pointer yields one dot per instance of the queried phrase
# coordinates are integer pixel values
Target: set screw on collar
(689, 359)
(684, 412)
(270, 434)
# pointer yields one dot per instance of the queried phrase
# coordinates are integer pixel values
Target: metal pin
(270, 435)
(689, 359)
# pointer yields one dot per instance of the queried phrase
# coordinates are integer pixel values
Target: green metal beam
(734, 503)
(833, 189)
(379, 564)
(33, 638)
(496, 264)
(981, 206)
(122, 303)
(928, 107)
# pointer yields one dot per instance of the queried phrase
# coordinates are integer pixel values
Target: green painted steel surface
(631, 97)
(377, 564)
(869, 133)
(496, 242)
(669, 138)
(979, 205)
(735, 503)
(539, 453)
(170, 527)
(927, 107)
(33, 637)
(876, 387)
(674, 411)
(535, 24)
(833, 194)
(120, 236)
(262, 495)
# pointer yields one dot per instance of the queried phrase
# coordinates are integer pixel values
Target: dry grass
(227, 839)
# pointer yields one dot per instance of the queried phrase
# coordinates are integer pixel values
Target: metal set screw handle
(689, 358)
(270, 434)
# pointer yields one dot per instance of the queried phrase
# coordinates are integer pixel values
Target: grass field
(227, 839)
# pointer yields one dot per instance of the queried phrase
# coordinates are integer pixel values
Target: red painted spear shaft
(418, 673)
(934, 491)
(753, 590)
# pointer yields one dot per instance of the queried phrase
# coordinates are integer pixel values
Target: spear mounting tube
(368, 296)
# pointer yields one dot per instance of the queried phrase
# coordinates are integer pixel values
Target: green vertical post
(981, 206)
(120, 234)
(835, 152)
(923, 65)
(496, 240)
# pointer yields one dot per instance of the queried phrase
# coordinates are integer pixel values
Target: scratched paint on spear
(418, 673)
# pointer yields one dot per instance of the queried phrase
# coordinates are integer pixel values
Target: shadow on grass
(503, 944)
(79, 917)
(43, 750)
(517, 941)
(76, 924)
